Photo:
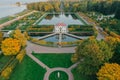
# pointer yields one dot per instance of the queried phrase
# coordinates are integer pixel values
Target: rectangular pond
(55, 38)
(67, 18)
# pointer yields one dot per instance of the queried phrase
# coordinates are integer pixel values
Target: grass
(62, 76)
(28, 70)
(4, 60)
(78, 76)
(5, 19)
(55, 60)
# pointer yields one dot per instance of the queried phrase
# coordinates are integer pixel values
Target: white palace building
(61, 28)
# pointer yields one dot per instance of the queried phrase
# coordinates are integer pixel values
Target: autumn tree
(93, 54)
(48, 7)
(109, 72)
(6, 73)
(10, 46)
(21, 55)
(114, 43)
(1, 38)
(56, 6)
(26, 35)
(21, 37)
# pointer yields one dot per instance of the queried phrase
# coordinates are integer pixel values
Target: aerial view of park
(59, 39)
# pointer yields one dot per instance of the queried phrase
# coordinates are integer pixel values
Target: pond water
(55, 38)
(68, 19)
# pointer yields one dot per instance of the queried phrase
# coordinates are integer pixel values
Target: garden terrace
(41, 28)
(5, 19)
(24, 23)
(107, 22)
(81, 30)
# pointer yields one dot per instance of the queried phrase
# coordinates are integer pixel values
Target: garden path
(31, 47)
(40, 49)
(13, 20)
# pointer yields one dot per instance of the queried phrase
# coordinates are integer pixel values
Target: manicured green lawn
(28, 70)
(5, 19)
(58, 75)
(55, 60)
(78, 76)
(4, 60)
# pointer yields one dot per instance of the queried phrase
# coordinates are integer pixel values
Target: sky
(14, 1)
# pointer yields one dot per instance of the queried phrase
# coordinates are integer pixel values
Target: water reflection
(68, 19)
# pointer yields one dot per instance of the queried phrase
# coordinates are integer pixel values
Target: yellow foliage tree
(26, 35)
(21, 37)
(109, 72)
(48, 7)
(1, 38)
(74, 58)
(21, 55)
(10, 46)
(112, 41)
(6, 73)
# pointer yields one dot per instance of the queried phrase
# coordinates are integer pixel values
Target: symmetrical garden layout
(61, 32)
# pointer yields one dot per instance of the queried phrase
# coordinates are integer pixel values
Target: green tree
(117, 13)
(93, 54)
(114, 43)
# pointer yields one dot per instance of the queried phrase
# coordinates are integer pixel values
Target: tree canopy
(21, 37)
(93, 54)
(114, 43)
(10, 46)
(109, 72)
(1, 38)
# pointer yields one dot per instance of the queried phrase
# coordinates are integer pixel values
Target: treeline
(44, 6)
(104, 7)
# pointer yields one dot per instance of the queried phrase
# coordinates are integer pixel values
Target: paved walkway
(67, 71)
(100, 35)
(42, 49)
(90, 21)
(79, 37)
(38, 61)
(50, 70)
(13, 20)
